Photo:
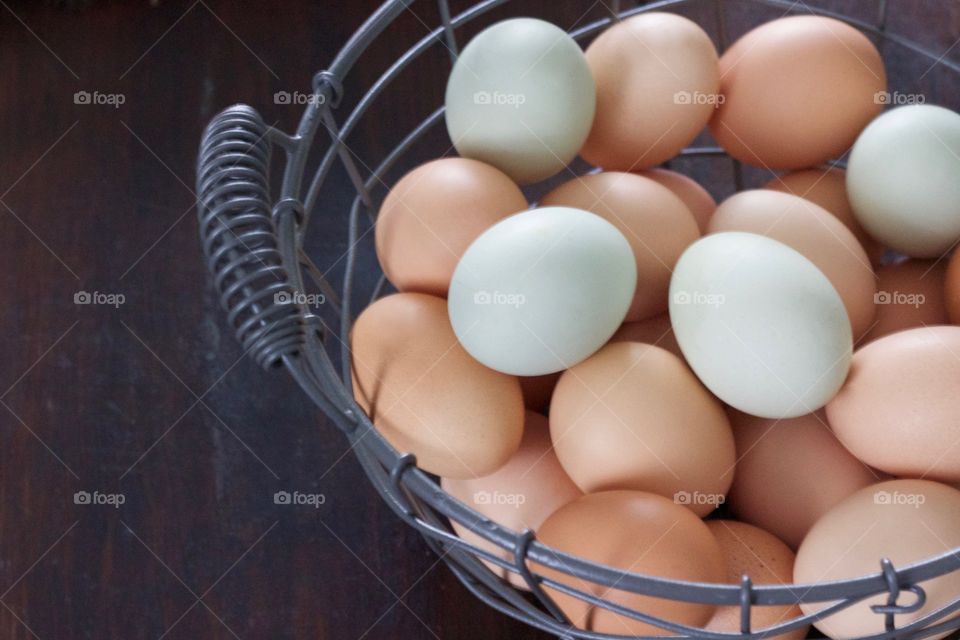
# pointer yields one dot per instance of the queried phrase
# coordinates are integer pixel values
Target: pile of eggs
(769, 386)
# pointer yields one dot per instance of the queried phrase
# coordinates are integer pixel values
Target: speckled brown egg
(910, 294)
(426, 395)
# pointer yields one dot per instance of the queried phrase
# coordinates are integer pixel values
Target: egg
(898, 410)
(698, 200)
(657, 78)
(750, 551)
(790, 473)
(952, 288)
(656, 331)
(542, 290)
(828, 188)
(633, 416)
(816, 234)
(903, 178)
(426, 395)
(654, 221)
(637, 532)
(519, 495)
(910, 294)
(760, 324)
(905, 521)
(431, 216)
(521, 98)
(797, 91)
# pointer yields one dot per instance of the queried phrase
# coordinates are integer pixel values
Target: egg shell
(698, 200)
(656, 331)
(903, 179)
(827, 188)
(638, 532)
(542, 290)
(431, 216)
(910, 294)
(520, 97)
(760, 324)
(898, 410)
(790, 473)
(519, 495)
(952, 288)
(797, 92)
(811, 230)
(906, 521)
(657, 78)
(654, 221)
(426, 395)
(633, 416)
(751, 551)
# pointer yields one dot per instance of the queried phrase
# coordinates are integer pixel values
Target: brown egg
(637, 532)
(905, 521)
(753, 552)
(633, 416)
(952, 288)
(537, 390)
(898, 409)
(697, 199)
(519, 495)
(812, 231)
(432, 215)
(426, 395)
(657, 78)
(654, 221)
(656, 331)
(790, 473)
(797, 92)
(909, 295)
(828, 189)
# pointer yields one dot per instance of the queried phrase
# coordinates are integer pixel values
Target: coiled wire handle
(239, 238)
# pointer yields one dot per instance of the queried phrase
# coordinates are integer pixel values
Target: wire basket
(253, 244)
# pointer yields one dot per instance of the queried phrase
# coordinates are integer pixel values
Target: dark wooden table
(143, 397)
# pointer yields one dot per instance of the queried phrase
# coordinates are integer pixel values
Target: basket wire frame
(254, 250)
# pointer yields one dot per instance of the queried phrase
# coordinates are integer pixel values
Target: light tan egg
(697, 199)
(431, 216)
(519, 495)
(654, 221)
(797, 92)
(828, 189)
(910, 294)
(905, 521)
(751, 551)
(657, 78)
(656, 331)
(790, 473)
(426, 395)
(637, 532)
(952, 288)
(633, 416)
(811, 230)
(898, 410)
